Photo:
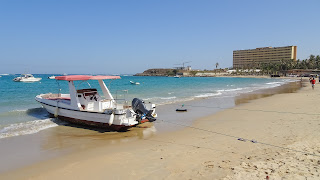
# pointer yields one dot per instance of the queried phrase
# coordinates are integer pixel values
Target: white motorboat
(26, 78)
(135, 83)
(51, 77)
(86, 106)
(177, 76)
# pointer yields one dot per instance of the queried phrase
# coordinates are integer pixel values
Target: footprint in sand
(208, 164)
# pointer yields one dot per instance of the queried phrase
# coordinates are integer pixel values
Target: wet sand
(160, 151)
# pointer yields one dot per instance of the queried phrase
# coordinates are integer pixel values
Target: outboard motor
(139, 108)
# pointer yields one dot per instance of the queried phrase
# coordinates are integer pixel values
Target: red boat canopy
(84, 77)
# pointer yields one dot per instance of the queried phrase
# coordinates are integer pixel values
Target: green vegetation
(193, 73)
(281, 67)
(172, 72)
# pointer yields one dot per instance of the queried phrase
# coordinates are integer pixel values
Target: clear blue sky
(74, 36)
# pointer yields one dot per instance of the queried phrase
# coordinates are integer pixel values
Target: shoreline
(180, 140)
(68, 138)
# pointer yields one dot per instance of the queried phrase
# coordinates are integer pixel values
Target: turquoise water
(20, 114)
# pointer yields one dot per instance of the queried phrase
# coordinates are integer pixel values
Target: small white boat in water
(51, 77)
(87, 106)
(177, 76)
(26, 78)
(135, 83)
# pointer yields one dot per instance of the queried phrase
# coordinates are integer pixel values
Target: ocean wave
(159, 98)
(179, 100)
(230, 90)
(271, 83)
(39, 113)
(167, 98)
(147, 99)
(208, 95)
(13, 113)
(29, 127)
(18, 110)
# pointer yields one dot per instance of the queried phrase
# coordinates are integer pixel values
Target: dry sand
(284, 127)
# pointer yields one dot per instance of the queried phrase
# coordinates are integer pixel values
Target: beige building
(253, 57)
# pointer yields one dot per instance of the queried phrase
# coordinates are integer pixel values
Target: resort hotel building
(253, 57)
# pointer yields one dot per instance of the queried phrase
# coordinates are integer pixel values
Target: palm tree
(317, 59)
(217, 64)
(312, 62)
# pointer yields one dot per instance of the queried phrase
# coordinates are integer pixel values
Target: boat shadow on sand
(42, 114)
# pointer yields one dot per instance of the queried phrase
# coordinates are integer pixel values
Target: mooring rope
(239, 138)
(256, 110)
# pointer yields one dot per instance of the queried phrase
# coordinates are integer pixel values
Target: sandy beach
(274, 137)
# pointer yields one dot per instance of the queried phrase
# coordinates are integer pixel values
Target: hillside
(158, 72)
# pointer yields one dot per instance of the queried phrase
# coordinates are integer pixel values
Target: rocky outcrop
(158, 72)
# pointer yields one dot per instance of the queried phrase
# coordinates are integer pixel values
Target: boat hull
(96, 119)
(93, 123)
(27, 80)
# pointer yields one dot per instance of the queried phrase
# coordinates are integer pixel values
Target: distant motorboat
(26, 78)
(177, 76)
(51, 77)
(135, 83)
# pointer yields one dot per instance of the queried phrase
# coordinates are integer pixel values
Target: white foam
(229, 90)
(159, 98)
(175, 101)
(208, 95)
(18, 110)
(24, 128)
(167, 98)
(271, 83)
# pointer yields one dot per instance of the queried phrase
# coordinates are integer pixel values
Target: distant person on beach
(313, 82)
(319, 79)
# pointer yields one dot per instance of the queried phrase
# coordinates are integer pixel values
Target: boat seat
(91, 93)
(86, 90)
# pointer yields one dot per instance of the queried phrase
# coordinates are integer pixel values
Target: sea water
(20, 114)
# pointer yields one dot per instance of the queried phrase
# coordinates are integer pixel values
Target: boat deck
(57, 97)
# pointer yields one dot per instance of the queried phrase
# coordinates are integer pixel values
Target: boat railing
(122, 103)
(121, 97)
